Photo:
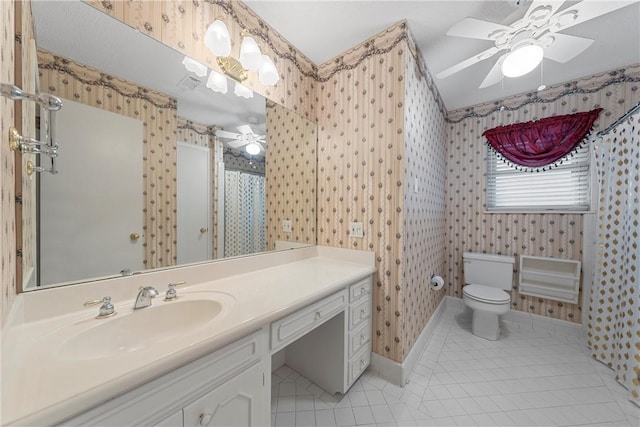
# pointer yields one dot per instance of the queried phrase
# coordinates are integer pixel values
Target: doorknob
(203, 230)
(134, 236)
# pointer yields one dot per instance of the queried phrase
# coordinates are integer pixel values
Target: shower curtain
(244, 214)
(613, 328)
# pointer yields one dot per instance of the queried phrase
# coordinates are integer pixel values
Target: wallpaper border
(628, 74)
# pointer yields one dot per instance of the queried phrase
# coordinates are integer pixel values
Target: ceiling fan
(253, 142)
(528, 40)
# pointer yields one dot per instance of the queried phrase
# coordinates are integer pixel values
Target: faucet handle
(106, 309)
(171, 293)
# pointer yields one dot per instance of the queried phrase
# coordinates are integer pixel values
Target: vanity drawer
(290, 328)
(358, 364)
(359, 289)
(359, 312)
(359, 339)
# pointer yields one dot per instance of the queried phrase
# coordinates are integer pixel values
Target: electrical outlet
(286, 226)
(356, 230)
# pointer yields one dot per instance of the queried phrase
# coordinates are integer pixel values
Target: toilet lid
(486, 294)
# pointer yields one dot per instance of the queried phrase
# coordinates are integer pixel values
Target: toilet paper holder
(436, 282)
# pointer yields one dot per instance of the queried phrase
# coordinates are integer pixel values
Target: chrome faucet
(144, 297)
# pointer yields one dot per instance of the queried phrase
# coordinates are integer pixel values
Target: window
(562, 188)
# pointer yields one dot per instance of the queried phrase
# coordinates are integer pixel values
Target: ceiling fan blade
(584, 11)
(245, 129)
(494, 76)
(467, 62)
(473, 28)
(565, 47)
(237, 143)
(225, 134)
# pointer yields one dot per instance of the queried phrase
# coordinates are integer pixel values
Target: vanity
(204, 358)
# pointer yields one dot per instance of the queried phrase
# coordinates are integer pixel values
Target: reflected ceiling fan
(525, 42)
(254, 143)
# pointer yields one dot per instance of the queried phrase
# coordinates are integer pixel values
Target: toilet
(487, 278)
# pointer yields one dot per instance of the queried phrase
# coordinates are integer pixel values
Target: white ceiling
(339, 25)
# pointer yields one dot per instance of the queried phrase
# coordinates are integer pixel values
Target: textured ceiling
(339, 25)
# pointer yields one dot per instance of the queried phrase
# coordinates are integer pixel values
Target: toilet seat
(486, 294)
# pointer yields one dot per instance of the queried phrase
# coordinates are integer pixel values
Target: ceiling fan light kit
(252, 148)
(522, 60)
(530, 39)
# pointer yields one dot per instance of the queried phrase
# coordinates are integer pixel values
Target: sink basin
(142, 329)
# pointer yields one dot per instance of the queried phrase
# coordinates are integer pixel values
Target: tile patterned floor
(527, 378)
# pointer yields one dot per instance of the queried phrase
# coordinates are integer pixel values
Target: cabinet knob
(205, 419)
(203, 230)
(134, 236)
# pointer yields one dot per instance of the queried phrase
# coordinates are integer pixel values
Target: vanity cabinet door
(238, 402)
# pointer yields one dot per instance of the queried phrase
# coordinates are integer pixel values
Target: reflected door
(194, 202)
(91, 211)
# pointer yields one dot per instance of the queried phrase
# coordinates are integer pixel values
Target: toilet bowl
(487, 304)
(488, 277)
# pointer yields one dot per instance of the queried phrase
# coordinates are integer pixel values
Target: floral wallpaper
(77, 82)
(470, 228)
(7, 165)
(25, 119)
(291, 176)
(424, 220)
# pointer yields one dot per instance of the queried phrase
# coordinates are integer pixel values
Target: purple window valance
(543, 142)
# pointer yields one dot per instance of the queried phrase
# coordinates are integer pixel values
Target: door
(238, 402)
(194, 203)
(83, 233)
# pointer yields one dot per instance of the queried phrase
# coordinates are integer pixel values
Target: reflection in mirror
(156, 169)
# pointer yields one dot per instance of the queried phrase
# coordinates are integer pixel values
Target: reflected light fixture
(522, 60)
(243, 91)
(252, 148)
(217, 82)
(194, 66)
(217, 38)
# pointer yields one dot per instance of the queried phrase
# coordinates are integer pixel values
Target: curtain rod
(621, 119)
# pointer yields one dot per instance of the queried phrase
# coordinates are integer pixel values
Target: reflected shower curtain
(244, 214)
(613, 327)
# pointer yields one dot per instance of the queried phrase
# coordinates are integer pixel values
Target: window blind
(565, 187)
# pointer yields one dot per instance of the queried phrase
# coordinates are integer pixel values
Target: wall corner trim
(399, 373)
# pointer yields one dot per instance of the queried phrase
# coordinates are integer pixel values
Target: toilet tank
(488, 270)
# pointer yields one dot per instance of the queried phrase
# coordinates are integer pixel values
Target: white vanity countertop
(39, 387)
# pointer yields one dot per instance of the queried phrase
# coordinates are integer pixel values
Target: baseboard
(398, 373)
(529, 321)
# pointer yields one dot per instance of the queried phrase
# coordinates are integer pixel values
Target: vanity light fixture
(522, 60)
(217, 82)
(250, 55)
(217, 38)
(243, 91)
(268, 73)
(218, 41)
(194, 66)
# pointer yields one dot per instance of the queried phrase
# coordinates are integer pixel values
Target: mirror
(147, 180)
